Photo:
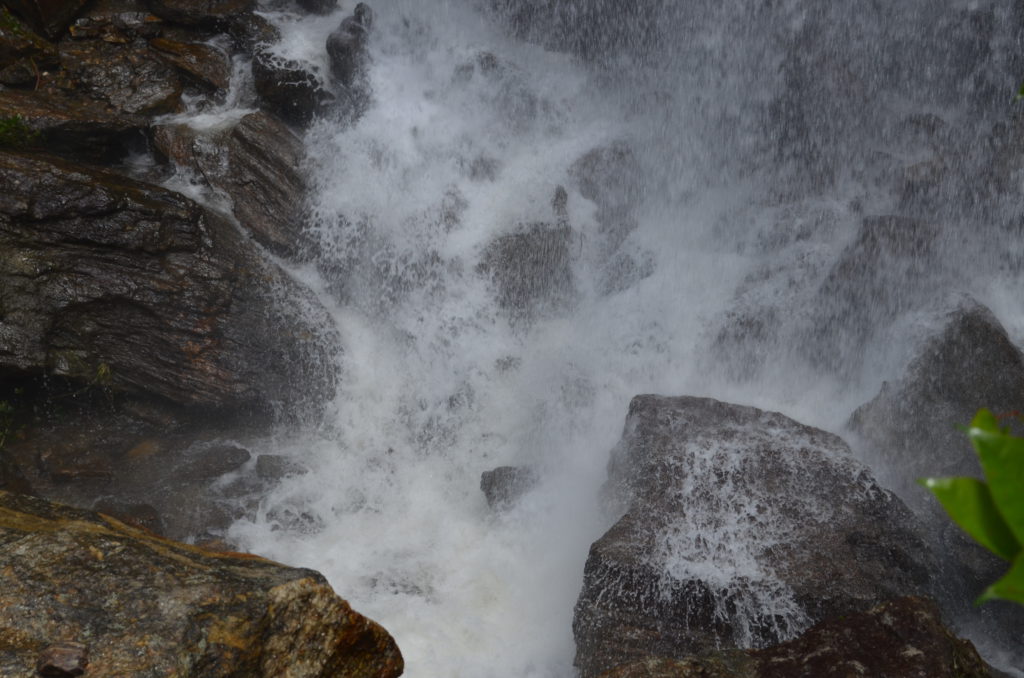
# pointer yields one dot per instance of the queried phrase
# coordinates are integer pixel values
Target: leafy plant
(15, 132)
(991, 511)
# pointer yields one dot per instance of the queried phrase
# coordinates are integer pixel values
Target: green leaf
(1002, 459)
(969, 503)
(1010, 587)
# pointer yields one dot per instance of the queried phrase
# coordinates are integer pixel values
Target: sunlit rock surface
(742, 528)
(134, 604)
(896, 639)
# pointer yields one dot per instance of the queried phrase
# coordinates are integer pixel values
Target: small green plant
(15, 132)
(991, 511)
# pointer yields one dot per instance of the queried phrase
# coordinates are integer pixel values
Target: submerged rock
(741, 528)
(124, 602)
(896, 639)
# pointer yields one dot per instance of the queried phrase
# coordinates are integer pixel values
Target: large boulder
(202, 13)
(257, 163)
(103, 274)
(896, 639)
(966, 363)
(82, 591)
(741, 528)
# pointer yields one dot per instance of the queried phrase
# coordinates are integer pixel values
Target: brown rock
(205, 64)
(257, 164)
(78, 127)
(63, 660)
(153, 607)
(131, 79)
(171, 301)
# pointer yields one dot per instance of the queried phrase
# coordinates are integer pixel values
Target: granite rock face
(741, 528)
(81, 589)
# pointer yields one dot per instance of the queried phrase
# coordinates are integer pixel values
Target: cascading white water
(469, 134)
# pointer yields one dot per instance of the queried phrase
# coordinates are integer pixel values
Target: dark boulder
(202, 63)
(503, 486)
(288, 88)
(125, 602)
(104, 274)
(250, 31)
(896, 639)
(531, 268)
(346, 46)
(258, 165)
(741, 528)
(967, 363)
(130, 79)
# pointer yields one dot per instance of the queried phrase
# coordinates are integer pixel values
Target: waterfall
(687, 174)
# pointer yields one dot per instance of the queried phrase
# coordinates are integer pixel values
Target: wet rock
(882, 274)
(205, 64)
(47, 17)
(204, 13)
(288, 88)
(18, 44)
(531, 269)
(11, 477)
(215, 462)
(898, 638)
(129, 78)
(503, 486)
(741, 528)
(274, 467)
(318, 6)
(257, 164)
(346, 46)
(104, 274)
(78, 574)
(116, 25)
(967, 363)
(610, 176)
(63, 660)
(142, 516)
(251, 31)
(77, 127)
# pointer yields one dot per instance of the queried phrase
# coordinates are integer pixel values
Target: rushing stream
(743, 144)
